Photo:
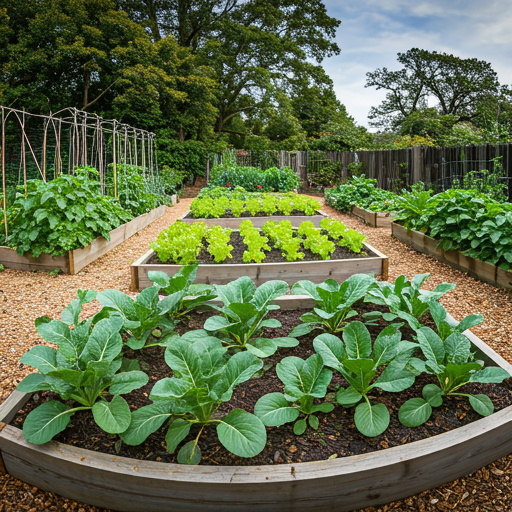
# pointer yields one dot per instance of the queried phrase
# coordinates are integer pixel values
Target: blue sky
(372, 32)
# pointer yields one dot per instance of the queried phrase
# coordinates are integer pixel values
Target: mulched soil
(25, 296)
(272, 256)
(336, 436)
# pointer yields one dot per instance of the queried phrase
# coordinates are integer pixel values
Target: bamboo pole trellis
(69, 138)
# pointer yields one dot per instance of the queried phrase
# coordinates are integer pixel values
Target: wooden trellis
(45, 146)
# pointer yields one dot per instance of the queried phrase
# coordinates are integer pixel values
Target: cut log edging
(77, 259)
(291, 272)
(474, 267)
(336, 485)
(257, 222)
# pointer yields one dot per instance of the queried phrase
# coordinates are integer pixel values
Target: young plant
(282, 235)
(303, 382)
(86, 367)
(254, 241)
(269, 204)
(286, 205)
(180, 242)
(334, 303)
(237, 207)
(405, 299)
(315, 241)
(253, 205)
(220, 205)
(243, 316)
(203, 378)
(346, 237)
(218, 243)
(358, 362)
(454, 365)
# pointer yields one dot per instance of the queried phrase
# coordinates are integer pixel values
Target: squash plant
(86, 367)
(203, 378)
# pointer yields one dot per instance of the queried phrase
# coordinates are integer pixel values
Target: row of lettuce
(85, 364)
(472, 222)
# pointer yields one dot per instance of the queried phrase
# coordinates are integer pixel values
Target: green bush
(187, 158)
(63, 214)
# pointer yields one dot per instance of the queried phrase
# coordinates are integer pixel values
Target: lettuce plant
(86, 367)
(358, 361)
(256, 243)
(303, 382)
(452, 362)
(218, 243)
(334, 302)
(180, 242)
(243, 316)
(203, 378)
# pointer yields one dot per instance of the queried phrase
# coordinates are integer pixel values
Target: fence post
(417, 164)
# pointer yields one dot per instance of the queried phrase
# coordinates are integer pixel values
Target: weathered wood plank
(258, 222)
(291, 272)
(474, 267)
(14, 402)
(9, 258)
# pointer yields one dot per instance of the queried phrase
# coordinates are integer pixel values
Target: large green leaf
(178, 430)
(357, 340)
(470, 321)
(262, 347)
(431, 345)
(242, 433)
(170, 388)
(414, 412)
(385, 345)
(493, 374)
(433, 395)
(458, 348)
(241, 290)
(46, 421)
(145, 421)
(244, 311)
(267, 292)
(126, 382)
(348, 397)
(59, 333)
(306, 288)
(371, 420)
(481, 404)
(105, 342)
(161, 279)
(41, 358)
(331, 349)
(118, 301)
(239, 368)
(217, 323)
(189, 454)
(182, 358)
(113, 417)
(361, 373)
(274, 410)
(33, 382)
(358, 285)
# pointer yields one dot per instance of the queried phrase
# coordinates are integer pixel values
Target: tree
(457, 84)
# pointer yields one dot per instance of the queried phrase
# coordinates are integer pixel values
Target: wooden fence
(395, 168)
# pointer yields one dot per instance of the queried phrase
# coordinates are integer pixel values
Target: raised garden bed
(373, 219)
(291, 272)
(76, 260)
(257, 222)
(476, 268)
(340, 484)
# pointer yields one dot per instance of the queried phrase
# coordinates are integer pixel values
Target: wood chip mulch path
(25, 296)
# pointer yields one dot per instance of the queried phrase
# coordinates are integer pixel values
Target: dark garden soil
(335, 437)
(229, 215)
(272, 256)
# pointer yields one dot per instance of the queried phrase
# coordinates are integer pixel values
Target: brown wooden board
(333, 485)
(291, 272)
(474, 267)
(258, 222)
(75, 260)
(373, 219)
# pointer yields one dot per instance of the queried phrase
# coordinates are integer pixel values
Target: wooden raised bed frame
(257, 222)
(342, 484)
(76, 260)
(291, 272)
(476, 268)
(373, 219)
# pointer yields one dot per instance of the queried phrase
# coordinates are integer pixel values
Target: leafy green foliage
(243, 316)
(358, 361)
(315, 241)
(203, 378)
(282, 236)
(218, 243)
(451, 360)
(345, 236)
(61, 215)
(304, 381)
(180, 242)
(405, 299)
(256, 243)
(86, 367)
(361, 192)
(334, 302)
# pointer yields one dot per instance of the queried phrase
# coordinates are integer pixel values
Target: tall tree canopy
(458, 85)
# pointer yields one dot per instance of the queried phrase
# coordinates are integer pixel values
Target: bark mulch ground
(25, 296)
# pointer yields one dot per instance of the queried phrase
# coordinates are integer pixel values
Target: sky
(372, 32)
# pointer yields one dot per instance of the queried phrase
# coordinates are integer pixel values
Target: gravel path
(26, 296)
